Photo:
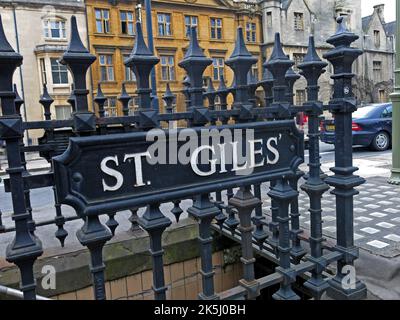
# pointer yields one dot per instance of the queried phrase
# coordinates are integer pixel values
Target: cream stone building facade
(39, 30)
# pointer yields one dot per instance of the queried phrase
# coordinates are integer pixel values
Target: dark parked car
(372, 127)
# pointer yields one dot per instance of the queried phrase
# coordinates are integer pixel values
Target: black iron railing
(235, 211)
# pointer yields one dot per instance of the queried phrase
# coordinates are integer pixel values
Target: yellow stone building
(111, 29)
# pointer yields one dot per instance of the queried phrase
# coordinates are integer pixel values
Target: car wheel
(381, 141)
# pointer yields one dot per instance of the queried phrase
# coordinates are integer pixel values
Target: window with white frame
(102, 20)
(63, 112)
(126, 18)
(251, 32)
(190, 21)
(43, 71)
(218, 68)
(110, 107)
(59, 72)
(167, 68)
(216, 28)
(164, 24)
(106, 67)
(54, 29)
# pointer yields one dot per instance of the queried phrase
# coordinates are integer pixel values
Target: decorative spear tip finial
(168, 93)
(76, 44)
(140, 47)
(312, 55)
(194, 49)
(4, 44)
(45, 97)
(240, 50)
(17, 96)
(277, 52)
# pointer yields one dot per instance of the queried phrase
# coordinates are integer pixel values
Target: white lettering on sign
(137, 157)
(207, 155)
(273, 150)
(112, 173)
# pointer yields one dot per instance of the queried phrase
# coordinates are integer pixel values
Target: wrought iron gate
(235, 210)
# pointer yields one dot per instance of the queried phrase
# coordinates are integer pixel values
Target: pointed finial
(18, 100)
(312, 54)
(240, 46)
(99, 94)
(17, 96)
(277, 52)
(168, 93)
(124, 94)
(140, 48)
(124, 98)
(46, 101)
(194, 49)
(9, 61)
(46, 96)
(4, 44)
(342, 37)
(341, 21)
(100, 99)
(75, 44)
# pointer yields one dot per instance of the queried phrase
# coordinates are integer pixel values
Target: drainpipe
(20, 68)
(395, 97)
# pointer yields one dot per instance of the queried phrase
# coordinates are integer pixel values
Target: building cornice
(39, 4)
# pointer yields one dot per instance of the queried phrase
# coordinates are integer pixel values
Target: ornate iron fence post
(26, 247)
(240, 62)
(195, 63)
(100, 100)
(46, 101)
(343, 181)
(185, 91)
(312, 68)
(141, 62)
(18, 104)
(297, 250)
(278, 65)
(204, 211)
(267, 82)
(155, 223)
(169, 99)
(245, 203)
(283, 195)
(124, 98)
(93, 233)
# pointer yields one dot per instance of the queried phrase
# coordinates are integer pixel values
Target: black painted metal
(344, 181)
(234, 213)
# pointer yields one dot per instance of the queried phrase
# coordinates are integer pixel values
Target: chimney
(380, 10)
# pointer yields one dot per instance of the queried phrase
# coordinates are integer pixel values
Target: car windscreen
(364, 112)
